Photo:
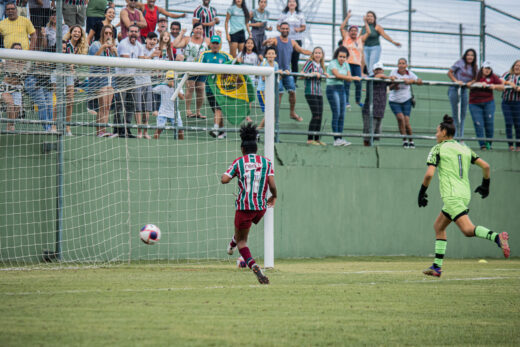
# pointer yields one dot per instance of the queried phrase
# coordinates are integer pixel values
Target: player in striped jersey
(453, 161)
(207, 16)
(255, 174)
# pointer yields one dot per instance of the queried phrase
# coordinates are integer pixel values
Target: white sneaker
(345, 143)
(337, 142)
(230, 249)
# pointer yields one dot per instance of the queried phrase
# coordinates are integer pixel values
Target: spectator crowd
(90, 27)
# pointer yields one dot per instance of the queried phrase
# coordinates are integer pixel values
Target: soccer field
(331, 301)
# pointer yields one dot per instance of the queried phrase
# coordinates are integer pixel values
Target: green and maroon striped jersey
(252, 171)
(205, 15)
(312, 84)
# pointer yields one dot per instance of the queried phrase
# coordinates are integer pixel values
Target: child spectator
(165, 47)
(258, 25)
(400, 99)
(168, 109)
(249, 56)
(379, 102)
(315, 66)
(143, 81)
(269, 60)
(482, 103)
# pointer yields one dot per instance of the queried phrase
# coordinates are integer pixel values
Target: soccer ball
(150, 234)
(241, 263)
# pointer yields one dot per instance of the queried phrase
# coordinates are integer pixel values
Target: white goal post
(179, 67)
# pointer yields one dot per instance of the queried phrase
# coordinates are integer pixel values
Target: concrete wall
(332, 201)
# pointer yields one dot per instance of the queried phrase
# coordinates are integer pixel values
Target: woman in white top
(400, 99)
(296, 20)
(194, 46)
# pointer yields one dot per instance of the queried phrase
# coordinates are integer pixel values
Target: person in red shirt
(482, 103)
(151, 15)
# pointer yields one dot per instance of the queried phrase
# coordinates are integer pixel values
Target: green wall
(332, 201)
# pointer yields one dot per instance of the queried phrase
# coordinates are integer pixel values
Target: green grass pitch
(310, 302)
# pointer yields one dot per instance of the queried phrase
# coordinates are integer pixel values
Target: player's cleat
(504, 244)
(433, 271)
(230, 249)
(259, 274)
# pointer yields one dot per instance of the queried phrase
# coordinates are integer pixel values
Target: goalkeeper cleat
(504, 244)
(259, 274)
(433, 271)
(230, 249)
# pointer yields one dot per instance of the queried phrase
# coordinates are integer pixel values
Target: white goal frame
(200, 68)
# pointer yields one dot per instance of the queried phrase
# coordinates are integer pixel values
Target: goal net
(93, 148)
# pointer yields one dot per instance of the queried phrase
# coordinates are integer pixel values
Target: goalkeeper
(453, 161)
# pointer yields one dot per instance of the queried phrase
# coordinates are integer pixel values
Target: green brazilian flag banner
(233, 94)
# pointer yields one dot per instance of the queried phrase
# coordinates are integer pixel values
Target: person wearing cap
(168, 110)
(482, 103)
(215, 56)
(379, 102)
(354, 43)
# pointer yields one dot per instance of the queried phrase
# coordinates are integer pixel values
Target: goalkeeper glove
(483, 189)
(421, 200)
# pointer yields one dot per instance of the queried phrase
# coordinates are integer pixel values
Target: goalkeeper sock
(440, 250)
(233, 242)
(246, 254)
(485, 233)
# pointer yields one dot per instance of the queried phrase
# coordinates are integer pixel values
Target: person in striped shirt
(315, 67)
(255, 174)
(207, 16)
(511, 103)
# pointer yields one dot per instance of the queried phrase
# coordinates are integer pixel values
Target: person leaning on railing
(378, 101)
(482, 103)
(511, 103)
(401, 99)
(315, 67)
(462, 72)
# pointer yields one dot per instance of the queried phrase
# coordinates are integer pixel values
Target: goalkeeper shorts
(455, 207)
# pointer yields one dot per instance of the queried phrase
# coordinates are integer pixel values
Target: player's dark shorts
(212, 100)
(199, 78)
(239, 37)
(244, 218)
(39, 16)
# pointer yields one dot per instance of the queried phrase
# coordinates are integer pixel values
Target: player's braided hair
(248, 134)
(447, 124)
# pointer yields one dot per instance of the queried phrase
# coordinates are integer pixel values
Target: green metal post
(461, 40)
(371, 110)
(409, 32)
(482, 31)
(333, 25)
